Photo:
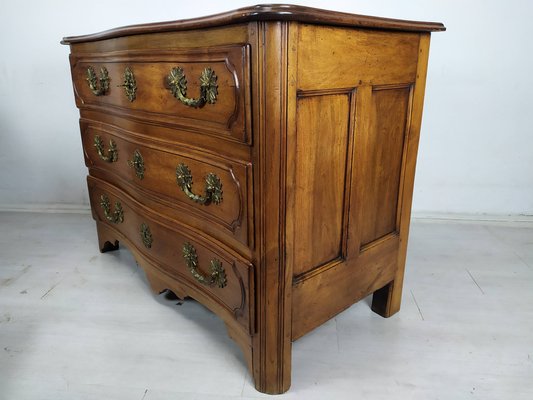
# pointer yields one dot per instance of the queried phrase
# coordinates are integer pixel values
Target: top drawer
(203, 90)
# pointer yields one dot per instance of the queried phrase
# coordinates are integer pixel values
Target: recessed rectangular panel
(319, 179)
(383, 162)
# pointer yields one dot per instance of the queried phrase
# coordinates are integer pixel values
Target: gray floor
(77, 324)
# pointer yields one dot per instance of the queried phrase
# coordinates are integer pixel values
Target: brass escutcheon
(137, 164)
(129, 84)
(146, 235)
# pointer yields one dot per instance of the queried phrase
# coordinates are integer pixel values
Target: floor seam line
(417, 306)
(473, 279)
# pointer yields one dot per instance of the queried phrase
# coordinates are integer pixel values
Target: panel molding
(234, 59)
(299, 265)
(377, 223)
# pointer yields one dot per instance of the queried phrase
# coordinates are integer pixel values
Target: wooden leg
(387, 300)
(106, 239)
(272, 375)
(268, 358)
(267, 352)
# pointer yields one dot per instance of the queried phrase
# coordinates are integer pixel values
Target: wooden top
(265, 12)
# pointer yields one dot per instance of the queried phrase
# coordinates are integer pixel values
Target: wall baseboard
(59, 208)
(47, 208)
(466, 217)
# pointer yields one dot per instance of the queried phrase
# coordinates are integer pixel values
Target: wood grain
(229, 117)
(388, 300)
(264, 12)
(231, 215)
(319, 179)
(330, 58)
(168, 40)
(314, 137)
(319, 297)
(383, 156)
(166, 254)
(272, 345)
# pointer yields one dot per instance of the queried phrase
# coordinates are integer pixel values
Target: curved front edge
(233, 301)
(204, 189)
(161, 281)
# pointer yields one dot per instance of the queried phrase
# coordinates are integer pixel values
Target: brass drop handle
(208, 87)
(99, 86)
(112, 152)
(213, 186)
(137, 164)
(129, 84)
(116, 216)
(217, 276)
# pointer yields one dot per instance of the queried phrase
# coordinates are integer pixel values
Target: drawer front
(197, 261)
(207, 188)
(205, 91)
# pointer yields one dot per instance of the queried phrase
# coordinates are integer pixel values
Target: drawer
(206, 91)
(207, 189)
(204, 266)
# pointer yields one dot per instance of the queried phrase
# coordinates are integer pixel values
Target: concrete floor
(77, 324)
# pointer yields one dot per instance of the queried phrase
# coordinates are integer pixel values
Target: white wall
(476, 152)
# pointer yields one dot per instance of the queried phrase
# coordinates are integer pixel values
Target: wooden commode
(260, 161)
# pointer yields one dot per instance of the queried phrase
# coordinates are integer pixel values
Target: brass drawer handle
(217, 276)
(213, 186)
(116, 216)
(98, 86)
(129, 84)
(146, 235)
(112, 152)
(137, 164)
(208, 87)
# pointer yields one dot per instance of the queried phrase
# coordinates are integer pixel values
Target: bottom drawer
(199, 263)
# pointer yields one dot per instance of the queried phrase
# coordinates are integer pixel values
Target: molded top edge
(265, 12)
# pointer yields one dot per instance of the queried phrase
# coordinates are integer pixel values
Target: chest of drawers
(260, 161)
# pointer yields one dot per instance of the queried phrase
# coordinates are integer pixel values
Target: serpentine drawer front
(206, 90)
(260, 161)
(205, 186)
(201, 264)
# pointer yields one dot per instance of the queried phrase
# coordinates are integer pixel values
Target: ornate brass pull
(129, 85)
(146, 235)
(112, 152)
(98, 86)
(217, 276)
(137, 164)
(116, 216)
(208, 87)
(213, 186)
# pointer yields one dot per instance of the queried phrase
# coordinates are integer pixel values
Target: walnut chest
(260, 161)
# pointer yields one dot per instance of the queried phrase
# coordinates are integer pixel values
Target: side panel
(353, 247)
(382, 158)
(319, 178)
